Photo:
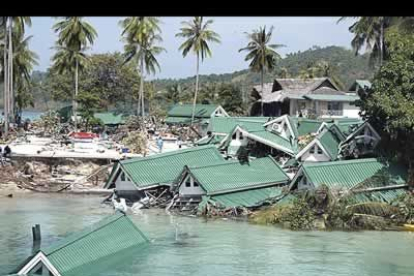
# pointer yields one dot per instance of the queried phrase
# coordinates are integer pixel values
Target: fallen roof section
(82, 252)
(367, 172)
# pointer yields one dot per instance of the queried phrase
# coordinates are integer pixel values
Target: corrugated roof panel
(105, 238)
(348, 173)
(227, 124)
(273, 138)
(231, 176)
(330, 142)
(164, 168)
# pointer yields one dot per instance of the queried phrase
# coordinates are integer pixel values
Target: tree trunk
(141, 89)
(196, 91)
(410, 179)
(6, 85)
(11, 92)
(261, 79)
(74, 101)
(381, 46)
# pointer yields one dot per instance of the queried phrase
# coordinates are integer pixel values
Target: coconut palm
(10, 26)
(197, 35)
(74, 35)
(370, 31)
(141, 36)
(262, 54)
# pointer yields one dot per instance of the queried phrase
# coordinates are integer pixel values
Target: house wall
(351, 111)
(124, 185)
(239, 141)
(193, 190)
(314, 157)
(303, 184)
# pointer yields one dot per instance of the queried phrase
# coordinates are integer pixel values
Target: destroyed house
(159, 170)
(325, 146)
(340, 140)
(368, 177)
(232, 183)
(317, 97)
(220, 128)
(88, 252)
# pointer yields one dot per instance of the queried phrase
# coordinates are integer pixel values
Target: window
(234, 136)
(335, 108)
(319, 150)
(312, 149)
(188, 182)
(240, 136)
(122, 176)
(285, 127)
(195, 184)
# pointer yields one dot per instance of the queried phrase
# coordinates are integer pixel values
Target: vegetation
(74, 35)
(262, 54)
(324, 208)
(389, 104)
(198, 35)
(141, 35)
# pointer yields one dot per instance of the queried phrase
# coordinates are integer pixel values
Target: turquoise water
(213, 247)
(32, 115)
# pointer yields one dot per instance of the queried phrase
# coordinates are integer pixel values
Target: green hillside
(345, 65)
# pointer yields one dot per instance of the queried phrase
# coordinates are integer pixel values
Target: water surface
(213, 247)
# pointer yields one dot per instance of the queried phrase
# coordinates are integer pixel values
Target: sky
(296, 33)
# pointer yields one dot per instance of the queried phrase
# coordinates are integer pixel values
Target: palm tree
(74, 35)
(11, 26)
(370, 31)
(262, 54)
(140, 36)
(23, 61)
(197, 35)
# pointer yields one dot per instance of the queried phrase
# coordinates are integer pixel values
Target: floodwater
(192, 246)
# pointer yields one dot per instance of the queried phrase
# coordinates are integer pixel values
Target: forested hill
(344, 65)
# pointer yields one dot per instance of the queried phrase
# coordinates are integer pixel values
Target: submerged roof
(164, 168)
(110, 118)
(349, 173)
(81, 253)
(185, 110)
(232, 176)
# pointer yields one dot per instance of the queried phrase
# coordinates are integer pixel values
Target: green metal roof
(249, 198)
(349, 173)
(361, 84)
(164, 168)
(227, 124)
(185, 110)
(81, 251)
(272, 138)
(306, 126)
(213, 140)
(109, 118)
(332, 98)
(330, 141)
(231, 176)
(183, 120)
